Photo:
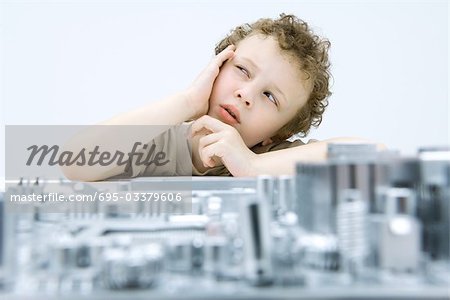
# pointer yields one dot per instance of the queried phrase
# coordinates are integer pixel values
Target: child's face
(260, 85)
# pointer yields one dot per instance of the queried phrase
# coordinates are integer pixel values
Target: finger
(229, 49)
(209, 139)
(208, 123)
(226, 53)
(206, 141)
(201, 132)
(212, 69)
(212, 155)
(218, 60)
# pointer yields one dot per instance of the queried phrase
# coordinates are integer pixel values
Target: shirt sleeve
(168, 154)
(258, 149)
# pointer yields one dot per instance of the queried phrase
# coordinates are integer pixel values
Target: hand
(222, 144)
(199, 92)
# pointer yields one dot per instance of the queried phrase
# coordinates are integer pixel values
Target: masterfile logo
(54, 156)
(43, 151)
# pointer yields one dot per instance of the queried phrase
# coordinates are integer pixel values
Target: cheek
(224, 81)
(258, 130)
(267, 129)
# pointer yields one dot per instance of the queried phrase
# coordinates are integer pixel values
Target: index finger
(225, 54)
(206, 122)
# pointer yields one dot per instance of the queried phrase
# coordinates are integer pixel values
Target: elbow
(75, 174)
(381, 147)
(356, 140)
(70, 174)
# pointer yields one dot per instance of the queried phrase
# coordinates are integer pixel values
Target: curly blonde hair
(311, 52)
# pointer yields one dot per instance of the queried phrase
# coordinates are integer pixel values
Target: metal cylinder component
(286, 195)
(404, 172)
(351, 151)
(351, 230)
(315, 207)
(434, 211)
(216, 257)
(319, 252)
(394, 236)
(179, 255)
(256, 236)
(214, 207)
(266, 189)
(138, 267)
(286, 256)
(64, 256)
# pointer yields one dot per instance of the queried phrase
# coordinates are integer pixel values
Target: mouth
(232, 111)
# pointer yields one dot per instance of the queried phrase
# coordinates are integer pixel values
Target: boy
(268, 81)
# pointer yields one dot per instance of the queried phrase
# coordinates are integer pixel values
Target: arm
(111, 137)
(189, 104)
(224, 145)
(282, 162)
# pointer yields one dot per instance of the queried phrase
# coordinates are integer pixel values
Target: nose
(244, 95)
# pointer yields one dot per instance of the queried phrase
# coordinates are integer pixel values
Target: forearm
(282, 162)
(115, 135)
(169, 111)
(188, 105)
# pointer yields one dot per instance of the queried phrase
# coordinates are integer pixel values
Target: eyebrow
(273, 85)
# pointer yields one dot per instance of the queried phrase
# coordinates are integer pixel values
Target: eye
(244, 71)
(271, 98)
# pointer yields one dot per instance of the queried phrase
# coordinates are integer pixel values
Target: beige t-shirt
(174, 143)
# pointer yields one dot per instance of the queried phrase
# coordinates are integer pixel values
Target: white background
(80, 62)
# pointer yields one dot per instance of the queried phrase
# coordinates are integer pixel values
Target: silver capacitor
(138, 267)
(434, 211)
(314, 205)
(394, 235)
(320, 253)
(320, 188)
(286, 195)
(351, 231)
(285, 256)
(359, 166)
(266, 188)
(216, 256)
(180, 255)
(256, 236)
(345, 151)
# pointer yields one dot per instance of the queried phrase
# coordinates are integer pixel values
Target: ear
(267, 142)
